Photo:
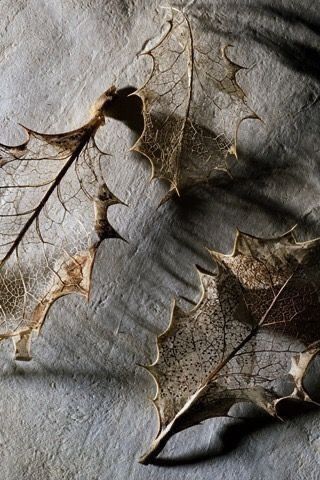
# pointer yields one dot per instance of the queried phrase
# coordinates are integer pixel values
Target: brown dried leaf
(188, 84)
(53, 217)
(257, 322)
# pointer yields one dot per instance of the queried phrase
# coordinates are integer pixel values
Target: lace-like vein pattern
(257, 322)
(53, 215)
(193, 106)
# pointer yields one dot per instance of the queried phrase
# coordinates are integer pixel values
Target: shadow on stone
(233, 435)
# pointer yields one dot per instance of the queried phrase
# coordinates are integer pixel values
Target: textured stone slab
(79, 410)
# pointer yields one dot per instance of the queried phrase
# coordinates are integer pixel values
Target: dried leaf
(189, 83)
(53, 217)
(257, 322)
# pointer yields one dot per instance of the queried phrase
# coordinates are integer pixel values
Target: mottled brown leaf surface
(257, 322)
(190, 76)
(53, 216)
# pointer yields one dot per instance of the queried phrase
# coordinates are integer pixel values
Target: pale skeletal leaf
(53, 216)
(192, 105)
(257, 322)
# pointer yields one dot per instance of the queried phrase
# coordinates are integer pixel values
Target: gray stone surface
(80, 409)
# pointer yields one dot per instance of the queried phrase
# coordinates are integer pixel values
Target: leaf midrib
(46, 197)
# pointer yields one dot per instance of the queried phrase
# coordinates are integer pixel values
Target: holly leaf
(53, 216)
(188, 84)
(257, 322)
